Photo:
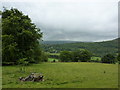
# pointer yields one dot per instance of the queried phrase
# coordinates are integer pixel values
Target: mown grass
(64, 75)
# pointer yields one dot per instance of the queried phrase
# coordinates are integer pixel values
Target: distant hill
(97, 48)
(58, 42)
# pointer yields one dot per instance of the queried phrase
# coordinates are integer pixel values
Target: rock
(21, 79)
(39, 78)
(35, 77)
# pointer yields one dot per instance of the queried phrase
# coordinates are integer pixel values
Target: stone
(35, 77)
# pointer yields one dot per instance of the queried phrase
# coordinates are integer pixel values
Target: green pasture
(96, 58)
(52, 59)
(63, 75)
(53, 53)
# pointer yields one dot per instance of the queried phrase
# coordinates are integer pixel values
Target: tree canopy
(82, 55)
(19, 37)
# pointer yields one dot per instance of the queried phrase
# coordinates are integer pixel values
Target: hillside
(57, 42)
(97, 48)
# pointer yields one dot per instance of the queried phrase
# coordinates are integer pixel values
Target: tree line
(84, 55)
(75, 56)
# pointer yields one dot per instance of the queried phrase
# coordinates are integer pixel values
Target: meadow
(52, 59)
(63, 75)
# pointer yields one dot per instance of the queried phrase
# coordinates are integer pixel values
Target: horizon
(76, 41)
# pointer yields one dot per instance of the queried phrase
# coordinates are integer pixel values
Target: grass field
(52, 59)
(64, 75)
(96, 58)
(53, 53)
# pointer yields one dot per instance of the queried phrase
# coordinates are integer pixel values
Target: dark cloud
(78, 21)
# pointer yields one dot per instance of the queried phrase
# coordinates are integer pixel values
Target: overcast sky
(74, 20)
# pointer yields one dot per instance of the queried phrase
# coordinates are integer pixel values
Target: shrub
(109, 58)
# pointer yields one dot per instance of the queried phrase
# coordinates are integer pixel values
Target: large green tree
(82, 55)
(19, 37)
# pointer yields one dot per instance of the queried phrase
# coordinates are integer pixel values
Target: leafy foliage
(75, 56)
(44, 57)
(118, 58)
(109, 58)
(66, 56)
(82, 55)
(20, 37)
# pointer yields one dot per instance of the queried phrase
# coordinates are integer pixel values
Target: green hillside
(97, 48)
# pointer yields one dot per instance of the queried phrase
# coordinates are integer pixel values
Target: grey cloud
(79, 36)
(92, 21)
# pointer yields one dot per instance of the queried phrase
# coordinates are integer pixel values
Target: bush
(66, 56)
(109, 58)
(118, 58)
(44, 57)
(23, 62)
